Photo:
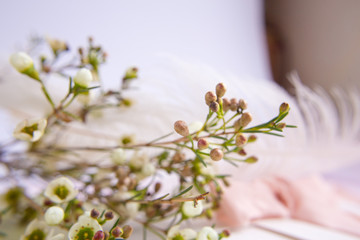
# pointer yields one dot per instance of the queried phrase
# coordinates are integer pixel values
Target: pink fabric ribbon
(310, 199)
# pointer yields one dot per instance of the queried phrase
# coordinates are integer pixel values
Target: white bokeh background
(227, 36)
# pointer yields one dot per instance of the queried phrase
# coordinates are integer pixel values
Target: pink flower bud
(220, 89)
(202, 143)
(240, 140)
(181, 128)
(210, 97)
(216, 154)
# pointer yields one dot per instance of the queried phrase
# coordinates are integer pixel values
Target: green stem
(47, 95)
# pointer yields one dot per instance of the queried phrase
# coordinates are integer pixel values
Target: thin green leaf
(102, 214)
(291, 126)
(200, 158)
(281, 117)
(184, 191)
(223, 176)
(115, 224)
(231, 162)
(219, 137)
(162, 137)
(162, 197)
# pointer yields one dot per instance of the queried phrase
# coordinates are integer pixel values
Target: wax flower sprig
(124, 186)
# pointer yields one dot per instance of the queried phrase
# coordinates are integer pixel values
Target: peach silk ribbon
(309, 199)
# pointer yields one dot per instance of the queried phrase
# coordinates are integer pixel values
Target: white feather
(327, 136)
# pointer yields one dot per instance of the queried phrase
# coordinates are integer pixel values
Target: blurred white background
(228, 37)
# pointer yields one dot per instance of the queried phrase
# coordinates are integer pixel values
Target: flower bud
(242, 152)
(83, 78)
(202, 144)
(214, 106)
(54, 215)
(210, 97)
(207, 233)
(243, 121)
(117, 232)
(240, 139)
(220, 90)
(131, 73)
(190, 209)
(109, 215)
(181, 128)
(216, 154)
(252, 138)
(281, 125)
(225, 233)
(233, 104)
(242, 104)
(94, 213)
(284, 107)
(23, 63)
(226, 104)
(127, 231)
(99, 235)
(251, 159)
(57, 45)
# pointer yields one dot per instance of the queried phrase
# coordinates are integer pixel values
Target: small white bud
(83, 77)
(54, 215)
(207, 233)
(190, 210)
(21, 61)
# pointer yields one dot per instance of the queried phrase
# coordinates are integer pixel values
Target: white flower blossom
(85, 97)
(21, 61)
(175, 233)
(83, 77)
(30, 129)
(118, 156)
(60, 190)
(189, 209)
(57, 45)
(54, 215)
(85, 226)
(207, 233)
(37, 230)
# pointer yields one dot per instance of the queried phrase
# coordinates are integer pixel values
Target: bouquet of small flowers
(93, 201)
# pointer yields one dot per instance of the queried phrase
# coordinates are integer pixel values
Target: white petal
(207, 233)
(190, 210)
